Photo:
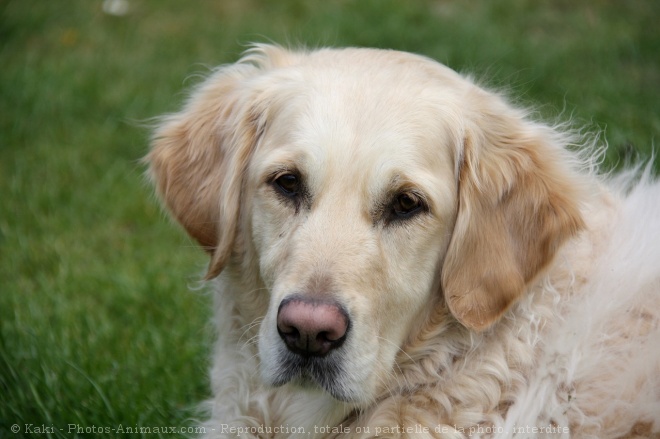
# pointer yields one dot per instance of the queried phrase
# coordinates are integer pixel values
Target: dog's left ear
(517, 205)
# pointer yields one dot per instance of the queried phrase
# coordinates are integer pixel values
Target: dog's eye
(288, 184)
(406, 205)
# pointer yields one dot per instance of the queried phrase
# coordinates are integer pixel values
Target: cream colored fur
(522, 301)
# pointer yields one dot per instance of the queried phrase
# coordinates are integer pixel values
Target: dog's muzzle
(313, 331)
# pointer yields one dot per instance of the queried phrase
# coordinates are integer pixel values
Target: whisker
(247, 328)
(397, 347)
(252, 341)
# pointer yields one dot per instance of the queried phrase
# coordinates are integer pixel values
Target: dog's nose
(312, 327)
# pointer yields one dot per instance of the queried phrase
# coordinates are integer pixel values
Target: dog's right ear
(198, 156)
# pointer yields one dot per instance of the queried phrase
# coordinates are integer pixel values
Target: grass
(97, 325)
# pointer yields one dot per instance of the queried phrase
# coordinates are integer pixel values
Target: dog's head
(358, 189)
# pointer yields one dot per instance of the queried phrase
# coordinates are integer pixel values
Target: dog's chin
(315, 373)
(306, 383)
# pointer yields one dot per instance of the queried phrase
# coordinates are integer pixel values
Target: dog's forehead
(360, 120)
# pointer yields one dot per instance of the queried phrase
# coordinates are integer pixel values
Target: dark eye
(288, 184)
(406, 205)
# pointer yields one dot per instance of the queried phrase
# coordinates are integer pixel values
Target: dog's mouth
(311, 351)
(309, 372)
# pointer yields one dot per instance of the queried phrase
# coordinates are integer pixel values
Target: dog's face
(351, 211)
(357, 189)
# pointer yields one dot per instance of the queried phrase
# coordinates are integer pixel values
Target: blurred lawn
(97, 323)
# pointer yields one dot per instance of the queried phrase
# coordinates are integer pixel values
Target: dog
(396, 251)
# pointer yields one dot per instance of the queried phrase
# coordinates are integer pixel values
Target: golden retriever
(397, 252)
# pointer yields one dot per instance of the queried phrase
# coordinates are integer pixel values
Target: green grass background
(98, 326)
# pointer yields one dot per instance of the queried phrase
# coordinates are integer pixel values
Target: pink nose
(311, 327)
